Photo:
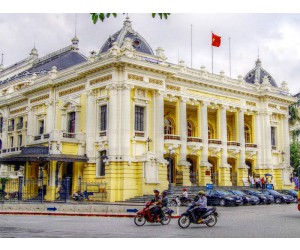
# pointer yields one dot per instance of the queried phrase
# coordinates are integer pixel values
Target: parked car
(263, 198)
(294, 194)
(222, 198)
(279, 198)
(247, 199)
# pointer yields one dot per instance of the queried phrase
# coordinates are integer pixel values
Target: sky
(273, 37)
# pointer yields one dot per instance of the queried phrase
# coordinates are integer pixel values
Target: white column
(286, 140)
(90, 126)
(204, 134)
(113, 123)
(242, 137)
(158, 120)
(125, 122)
(182, 131)
(258, 138)
(223, 128)
(50, 117)
(30, 124)
(267, 139)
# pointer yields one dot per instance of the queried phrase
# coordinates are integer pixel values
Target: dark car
(263, 198)
(247, 199)
(222, 198)
(292, 193)
(278, 197)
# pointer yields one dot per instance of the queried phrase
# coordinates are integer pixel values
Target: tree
(294, 114)
(102, 16)
(295, 155)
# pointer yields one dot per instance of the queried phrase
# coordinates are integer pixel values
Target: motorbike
(188, 217)
(176, 202)
(145, 215)
(80, 196)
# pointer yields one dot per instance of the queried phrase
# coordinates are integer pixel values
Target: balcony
(20, 125)
(250, 145)
(194, 139)
(233, 143)
(102, 133)
(172, 137)
(139, 134)
(274, 147)
(69, 135)
(11, 128)
(214, 141)
(41, 137)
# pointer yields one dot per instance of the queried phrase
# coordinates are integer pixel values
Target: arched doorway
(67, 173)
(249, 163)
(233, 172)
(171, 167)
(214, 169)
(192, 170)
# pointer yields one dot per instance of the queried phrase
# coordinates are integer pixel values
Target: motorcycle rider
(156, 200)
(163, 205)
(201, 205)
(184, 197)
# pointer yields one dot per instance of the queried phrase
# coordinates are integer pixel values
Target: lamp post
(171, 152)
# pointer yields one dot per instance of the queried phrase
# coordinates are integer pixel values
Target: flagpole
(212, 57)
(191, 46)
(229, 58)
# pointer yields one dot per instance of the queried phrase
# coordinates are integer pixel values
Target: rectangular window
(71, 122)
(20, 140)
(273, 136)
(102, 159)
(139, 118)
(1, 124)
(41, 127)
(11, 141)
(103, 118)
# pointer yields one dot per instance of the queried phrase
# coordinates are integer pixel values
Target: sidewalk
(75, 209)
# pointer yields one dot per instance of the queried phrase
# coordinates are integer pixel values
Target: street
(261, 221)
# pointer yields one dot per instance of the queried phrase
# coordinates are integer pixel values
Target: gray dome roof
(257, 75)
(138, 42)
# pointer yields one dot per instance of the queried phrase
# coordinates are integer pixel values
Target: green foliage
(295, 155)
(3, 180)
(294, 114)
(102, 16)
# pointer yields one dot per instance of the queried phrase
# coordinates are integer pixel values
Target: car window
(274, 192)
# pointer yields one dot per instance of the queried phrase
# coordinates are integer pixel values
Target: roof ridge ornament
(127, 25)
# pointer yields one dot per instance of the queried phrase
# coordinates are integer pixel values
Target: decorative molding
(195, 92)
(172, 87)
(12, 112)
(40, 98)
(135, 77)
(251, 103)
(101, 79)
(155, 81)
(72, 90)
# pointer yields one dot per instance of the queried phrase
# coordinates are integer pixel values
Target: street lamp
(171, 152)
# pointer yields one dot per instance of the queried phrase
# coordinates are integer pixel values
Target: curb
(75, 214)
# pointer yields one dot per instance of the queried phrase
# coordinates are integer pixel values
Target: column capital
(223, 107)
(183, 99)
(205, 103)
(242, 110)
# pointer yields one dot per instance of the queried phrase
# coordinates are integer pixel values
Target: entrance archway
(249, 163)
(171, 167)
(214, 169)
(192, 170)
(233, 172)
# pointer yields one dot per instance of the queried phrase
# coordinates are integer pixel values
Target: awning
(22, 158)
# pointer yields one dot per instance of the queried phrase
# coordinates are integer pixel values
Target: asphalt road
(261, 221)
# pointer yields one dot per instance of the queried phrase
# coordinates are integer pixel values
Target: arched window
(228, 134)
(0, 144)
(169, 126)
(210, 132)
(247, 130)
(190, 129)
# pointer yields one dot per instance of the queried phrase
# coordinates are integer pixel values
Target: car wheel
(288, 203)
(222, 202)
(277, 200)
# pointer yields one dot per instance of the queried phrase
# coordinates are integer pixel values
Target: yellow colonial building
(126, 121)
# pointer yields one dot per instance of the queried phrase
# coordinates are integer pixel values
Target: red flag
(216, 40)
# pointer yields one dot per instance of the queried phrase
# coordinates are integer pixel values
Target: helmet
(155, 191)
(184, 189)
(201, 192)
(164, 192)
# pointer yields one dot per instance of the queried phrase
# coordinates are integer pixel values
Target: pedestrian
(257, 182)
(263, 182)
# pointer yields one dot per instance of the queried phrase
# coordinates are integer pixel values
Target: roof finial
(1, 65)
(75, 40)
(127, 22)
